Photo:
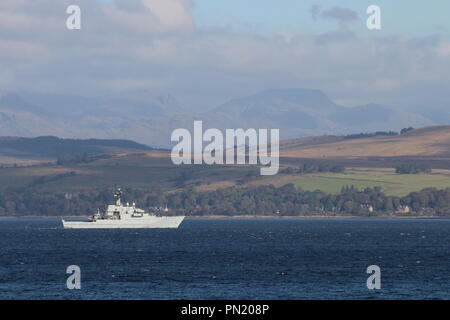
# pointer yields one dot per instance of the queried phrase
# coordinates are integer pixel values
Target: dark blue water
(228, 259)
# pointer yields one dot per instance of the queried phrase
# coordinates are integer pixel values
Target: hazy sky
(414, 17)
(208, 51)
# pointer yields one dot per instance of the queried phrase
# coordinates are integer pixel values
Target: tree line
(313, 167)
(267, 200)
(413, 168)
(377, 133)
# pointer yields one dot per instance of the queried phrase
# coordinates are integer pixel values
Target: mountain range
(149, 118)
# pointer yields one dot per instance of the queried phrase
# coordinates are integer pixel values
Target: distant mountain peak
(309, 98)
(294, 92)
(149, 117)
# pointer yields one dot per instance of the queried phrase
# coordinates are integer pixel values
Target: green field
(391, 183)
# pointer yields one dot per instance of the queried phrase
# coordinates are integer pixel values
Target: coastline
(323, 217)
(385, 217)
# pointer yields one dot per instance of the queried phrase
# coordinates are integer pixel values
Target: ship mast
(117, 195)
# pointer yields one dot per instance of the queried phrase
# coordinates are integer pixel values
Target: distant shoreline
(316, 217)
(384, 217)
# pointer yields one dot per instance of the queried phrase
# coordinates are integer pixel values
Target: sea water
(228, 259)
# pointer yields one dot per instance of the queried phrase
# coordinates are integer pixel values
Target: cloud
(136, 44)
(172, 14)
(443, 49)
(154, 17)
(340, 14)
(137, 16)
(22, 50)
(315, 11)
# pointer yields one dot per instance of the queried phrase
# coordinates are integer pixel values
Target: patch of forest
(268, 200)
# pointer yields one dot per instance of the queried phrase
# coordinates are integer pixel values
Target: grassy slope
(391, 183)
(425, 142)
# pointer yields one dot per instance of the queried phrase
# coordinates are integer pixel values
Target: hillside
(369, 162)
(147, 170)
(19, 150)
(426, 144)
(150, 174)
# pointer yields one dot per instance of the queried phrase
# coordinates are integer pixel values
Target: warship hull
(130, 223)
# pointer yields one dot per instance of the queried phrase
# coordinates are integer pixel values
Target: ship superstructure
(127, 215)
